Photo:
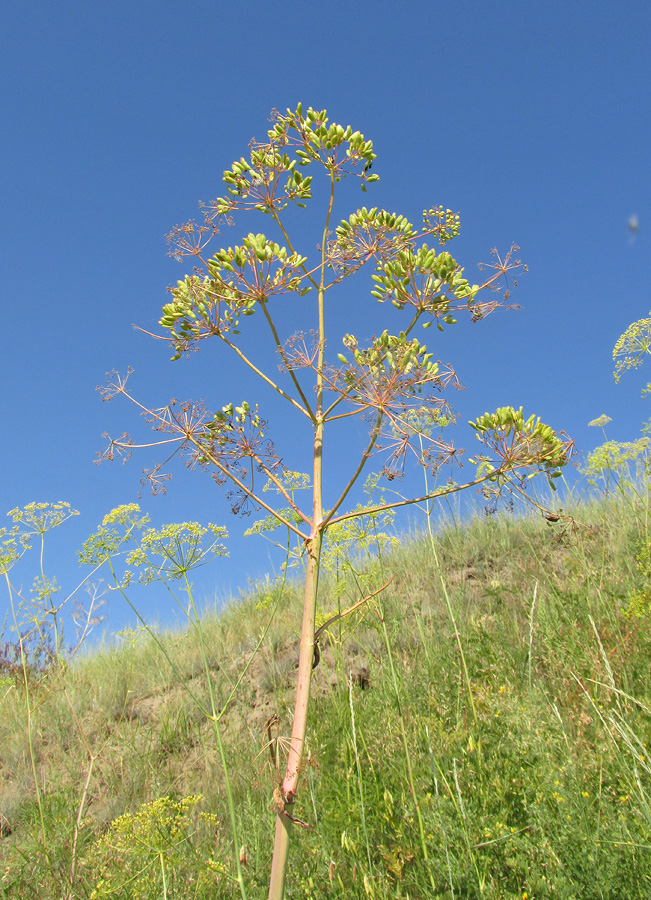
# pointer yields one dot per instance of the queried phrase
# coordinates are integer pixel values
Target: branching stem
(306, 409)
(364, 459)
(272, 384)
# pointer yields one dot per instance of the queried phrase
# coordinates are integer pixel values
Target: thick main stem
(295, 757)
(306, 658)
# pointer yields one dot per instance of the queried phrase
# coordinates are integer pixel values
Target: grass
(498, 752)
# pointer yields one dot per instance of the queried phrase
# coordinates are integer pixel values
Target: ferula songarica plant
(393, 384)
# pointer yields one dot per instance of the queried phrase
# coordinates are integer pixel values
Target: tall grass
(480, 730)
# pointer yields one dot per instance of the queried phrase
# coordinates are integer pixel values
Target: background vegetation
(479, 728)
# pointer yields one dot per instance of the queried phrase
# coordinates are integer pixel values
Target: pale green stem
(440, 492)
(457, 636)
(162, 868)
(249, 493)
(231, 809)
(438, 802)
(50, 602)
(290, 247)
(282, 490)
(464, 823)
(152, 634)
(358, 470)
(405, 746)
(214, 717)
(359, 775)
(28, 712)
(531, 614)
(346, 415)
(82, 802)
(262, 637)
(77, 828)
(306, 409)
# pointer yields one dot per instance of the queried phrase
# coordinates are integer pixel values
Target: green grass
(524, 774)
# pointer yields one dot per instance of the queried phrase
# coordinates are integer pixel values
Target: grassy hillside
(479, 729)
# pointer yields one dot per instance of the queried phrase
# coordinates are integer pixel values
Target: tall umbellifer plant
(394, 384)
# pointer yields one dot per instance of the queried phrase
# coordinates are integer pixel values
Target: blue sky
(531, 120)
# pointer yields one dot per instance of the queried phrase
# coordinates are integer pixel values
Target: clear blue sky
(531, 120)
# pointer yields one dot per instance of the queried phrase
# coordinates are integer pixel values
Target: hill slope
(478, 729)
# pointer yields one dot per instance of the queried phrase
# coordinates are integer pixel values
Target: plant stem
(306, 657)
(440, 811)
(302, 409)
(162, 867)
(359, 775)
(214, 718)
(28, 713)
(531, 613)
(374, 436)
(439, 569)
(297, 743)
(405, 747)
